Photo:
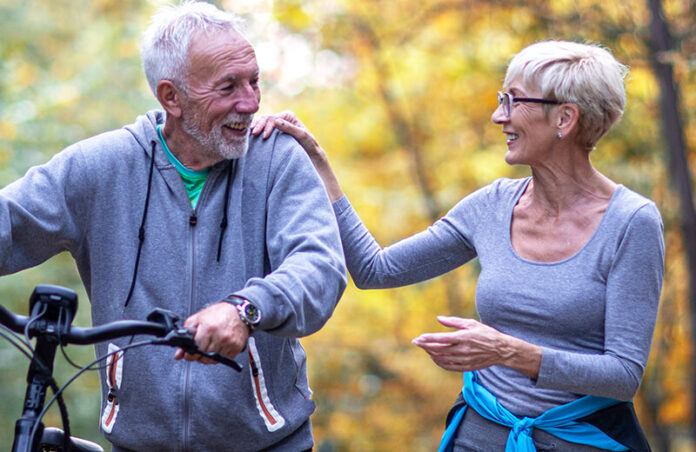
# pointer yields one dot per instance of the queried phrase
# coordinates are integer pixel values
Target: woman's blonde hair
(586, 75)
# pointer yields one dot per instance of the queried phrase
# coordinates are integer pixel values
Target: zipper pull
(193, 219)
(254, 369)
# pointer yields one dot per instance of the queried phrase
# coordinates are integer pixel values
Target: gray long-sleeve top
(593, 313)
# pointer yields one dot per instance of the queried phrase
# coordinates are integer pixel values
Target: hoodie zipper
(192, 221)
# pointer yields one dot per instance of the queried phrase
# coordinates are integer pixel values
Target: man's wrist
(248, 312)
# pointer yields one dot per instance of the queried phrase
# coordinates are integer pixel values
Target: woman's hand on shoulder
(473, 346)
(287, 122)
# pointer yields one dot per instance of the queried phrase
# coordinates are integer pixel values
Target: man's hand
(217, 328)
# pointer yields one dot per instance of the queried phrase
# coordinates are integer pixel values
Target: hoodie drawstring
(141, 232)
(231, 173)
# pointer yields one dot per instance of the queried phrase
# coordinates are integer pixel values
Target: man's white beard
(213, 142)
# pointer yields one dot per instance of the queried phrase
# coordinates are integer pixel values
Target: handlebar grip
(183, 338)
(13, 321)
(222, 359)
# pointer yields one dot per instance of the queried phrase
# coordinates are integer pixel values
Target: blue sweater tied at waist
(561, 421)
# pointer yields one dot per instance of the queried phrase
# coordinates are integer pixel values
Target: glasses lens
(505, 99)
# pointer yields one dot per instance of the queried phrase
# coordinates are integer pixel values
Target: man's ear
(169, 97)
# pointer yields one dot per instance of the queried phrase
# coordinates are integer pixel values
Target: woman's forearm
(321, 163)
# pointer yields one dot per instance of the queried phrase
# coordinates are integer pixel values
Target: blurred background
(399, 93)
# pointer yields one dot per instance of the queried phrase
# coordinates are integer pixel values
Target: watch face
(252, 313)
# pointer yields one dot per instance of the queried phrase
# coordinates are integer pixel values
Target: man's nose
(248, 102)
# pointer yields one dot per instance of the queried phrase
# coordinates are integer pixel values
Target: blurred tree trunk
(412, 143)
(661, 46)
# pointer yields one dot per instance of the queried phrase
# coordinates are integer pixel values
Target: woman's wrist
(323, 167)
(521, 355)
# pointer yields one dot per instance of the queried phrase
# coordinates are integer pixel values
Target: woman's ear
(568, 119)
(169, 97)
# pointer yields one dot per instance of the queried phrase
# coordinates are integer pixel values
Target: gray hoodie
(280, 249)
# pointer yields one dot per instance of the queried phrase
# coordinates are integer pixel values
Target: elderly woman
(571, 267)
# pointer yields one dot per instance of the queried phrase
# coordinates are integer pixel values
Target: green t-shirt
(193, 180)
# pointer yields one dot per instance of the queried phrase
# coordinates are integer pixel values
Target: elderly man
(182, 210)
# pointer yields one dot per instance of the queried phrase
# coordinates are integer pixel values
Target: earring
(559, 134)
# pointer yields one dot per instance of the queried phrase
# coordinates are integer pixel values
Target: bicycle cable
(28, 325)
(91, 366)
(65, 420)
(83, 369)
(69, 360)
(65, 354)
(15, 340)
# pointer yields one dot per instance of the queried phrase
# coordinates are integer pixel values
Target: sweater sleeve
(308, 274)
(427, 254)
(38, 212)
(633, 291)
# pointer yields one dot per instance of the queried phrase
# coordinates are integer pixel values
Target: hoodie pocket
(300, 357)
(114, 372)
(267, 411)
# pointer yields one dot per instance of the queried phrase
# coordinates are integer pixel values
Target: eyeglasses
(507, 99)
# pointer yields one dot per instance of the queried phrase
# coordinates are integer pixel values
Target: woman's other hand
(287, 122)
(473, 346)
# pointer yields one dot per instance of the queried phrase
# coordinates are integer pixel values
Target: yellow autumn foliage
(399, 93)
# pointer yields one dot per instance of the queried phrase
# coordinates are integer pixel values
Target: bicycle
(52, 310)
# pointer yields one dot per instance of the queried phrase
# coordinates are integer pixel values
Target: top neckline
(516, 199)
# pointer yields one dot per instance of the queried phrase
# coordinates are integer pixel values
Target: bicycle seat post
(53, 311)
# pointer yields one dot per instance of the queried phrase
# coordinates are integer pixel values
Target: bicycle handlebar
(168, 330)
(86, 336)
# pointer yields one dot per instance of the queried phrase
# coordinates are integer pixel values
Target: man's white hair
(586, 75)
(167, 39)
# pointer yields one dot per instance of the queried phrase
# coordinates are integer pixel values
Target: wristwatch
(248, 311)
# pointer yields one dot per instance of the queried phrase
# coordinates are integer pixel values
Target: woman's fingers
(258, 124)
(471, 346)
(286, 122)
(436, 339)
(448, 337)
(264, 124)
(456, 322)
(301, 134)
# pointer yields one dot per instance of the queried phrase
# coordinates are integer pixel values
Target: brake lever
(182, 338)
(179, 336)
